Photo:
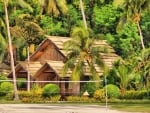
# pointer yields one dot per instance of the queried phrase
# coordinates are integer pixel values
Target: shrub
(112, 91)
(99, 94)
(3, 77)
(55, 98)
(9, 96)
(79, 99)
(36, 89)
(5, 88)
(22, 83)
(50, 90)
(132, 94)
(31, 97)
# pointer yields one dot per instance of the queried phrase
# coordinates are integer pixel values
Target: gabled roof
(57, 41)
(4, 66)
(22, 67)
(56, 67)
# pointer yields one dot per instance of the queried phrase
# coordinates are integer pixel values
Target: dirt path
(49, 108)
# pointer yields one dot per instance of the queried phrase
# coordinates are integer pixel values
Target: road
(56, 108)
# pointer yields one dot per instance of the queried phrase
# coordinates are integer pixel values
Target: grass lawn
(145, 108)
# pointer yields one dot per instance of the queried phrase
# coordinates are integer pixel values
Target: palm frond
(24, 4)
(71, 45)
(77, 71)
(68, 65)
(118, 3)
(62, 6)
(99, 62)
(79, 33)
(94, 73)
(3, 42)
(73, 54)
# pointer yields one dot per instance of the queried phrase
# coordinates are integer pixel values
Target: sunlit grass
(145, 108)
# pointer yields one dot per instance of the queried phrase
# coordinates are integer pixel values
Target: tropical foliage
(124, 24)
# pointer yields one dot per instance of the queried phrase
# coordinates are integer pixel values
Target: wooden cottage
(51, 72)
(50, 57)
(22, 69)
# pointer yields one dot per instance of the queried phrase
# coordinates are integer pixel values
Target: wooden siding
(50, 53)
(45, 73)
(47, 50)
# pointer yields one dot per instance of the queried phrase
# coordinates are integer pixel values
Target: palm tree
(83, 56)
(142, 66)
(54, 7)
(124, 74)
(16, 97)
(132, 12)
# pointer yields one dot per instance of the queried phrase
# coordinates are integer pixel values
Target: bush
(99, 94)
(31, 97)
(22, 83)
(132, 94)
(50, 90)
(79, 99)
(3, 77)
(112, 91)
(55, 98)
(5, 88)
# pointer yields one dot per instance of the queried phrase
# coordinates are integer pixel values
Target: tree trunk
(83, 14)
(141, 36)
(16, 97)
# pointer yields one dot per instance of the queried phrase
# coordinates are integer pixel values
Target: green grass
(131, 107)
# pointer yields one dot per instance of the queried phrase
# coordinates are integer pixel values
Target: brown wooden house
(49, 59)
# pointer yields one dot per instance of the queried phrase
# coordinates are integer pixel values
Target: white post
(28, 72)
(106, 92)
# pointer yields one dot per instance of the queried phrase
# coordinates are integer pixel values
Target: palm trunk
(83, 14)
(141, 36)
(16, 97)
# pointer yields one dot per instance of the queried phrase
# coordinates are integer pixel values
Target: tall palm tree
(132, 12)
(83, 56)
(16, 97)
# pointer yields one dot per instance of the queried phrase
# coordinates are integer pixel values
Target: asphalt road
(49, 108)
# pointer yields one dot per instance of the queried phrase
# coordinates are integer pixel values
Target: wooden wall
(51, 53)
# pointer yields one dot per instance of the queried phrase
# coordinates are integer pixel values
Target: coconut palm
(132, 12)
(83, 56)
(16, 97)
(53, 7)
